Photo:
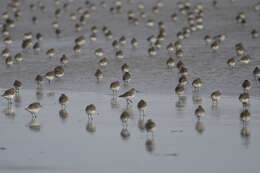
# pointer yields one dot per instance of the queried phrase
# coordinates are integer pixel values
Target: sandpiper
(119, 54)
(5, 52)
(246, 85)
(76, 49)
(39, 79)
(103, 62)
(200, 112)
(150, 126)
(183, 80)
(37, 47)
(179, 90)
(115, 44)
(59, 71)
(50, 76)
(244, 98)
(152, 51)
(129, 95)
(64, 59)
(215, 96)
(39, 36)
(17, 85)
(124, 118)
(245, 116)
(9, 95)
(90, 110)
(245, 59)
(9, 61)
(122, 40)
(141, 105)
(170, 63)
(134, 42)
(254, 34)
(34, 108)
(126, 78)
(99, 75)
(207, 39)
(63, 100)
(125, 68)
(80, 40)
(170, 48)
(99, 52)
(50, 52)
(183, 71)
(93, 37)
(231, 62)
(256, 72)
(215, 45)
(115, 87)
(179, 53)
(197, 84)
(18, 57)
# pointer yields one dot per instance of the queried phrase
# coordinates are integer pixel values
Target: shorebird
(141, 105)
(183, 71)
(170, 63)
(245, 59)
(125, 68)
(5, 52)
(215, 46)
(124, 118)
(183, 80)
(150, 126)
(90, 110)
(215, 96)
(129, 95)
(179, 53)
(37, 47)
(39, 36)
(18, 57)
(99, 75)
(244, 98)
(134, 42)
(207, 39)
(64, 59)
(9, 95)
(152, 51)
(197, 84)
(39, 79)
(80, 40)
(9, 61)
(50, 76)
(180, 64)
(99, 52)
(245, 116)
(170, 48)
(115, 87)
(122, 40)
(34, 108)
(17, 85)
(103, 62)
(59, 71)
(93, 37)
(63, 100)
(254, 34)
(179, 90)
(50, 52)
(200, 112)
(76, 49)
(256, 72)
(231, 62)
(126, 78)
(246, 85)
(115, 44)
(119, 54)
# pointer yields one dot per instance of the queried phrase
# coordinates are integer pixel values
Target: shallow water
(180, 144)
(65, 144)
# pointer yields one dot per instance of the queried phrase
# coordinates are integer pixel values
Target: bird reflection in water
(17, 100)
(34, 124)
(141, 123)
(125, 134)
(180, 104)
(150, 145)
(91, 127)
(9, 111)
(196, 98)
(200, 127)
(114, 103)
(245, 135)
(39, 93)
(63, 113)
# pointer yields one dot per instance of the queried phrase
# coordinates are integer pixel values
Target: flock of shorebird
(194, 14)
